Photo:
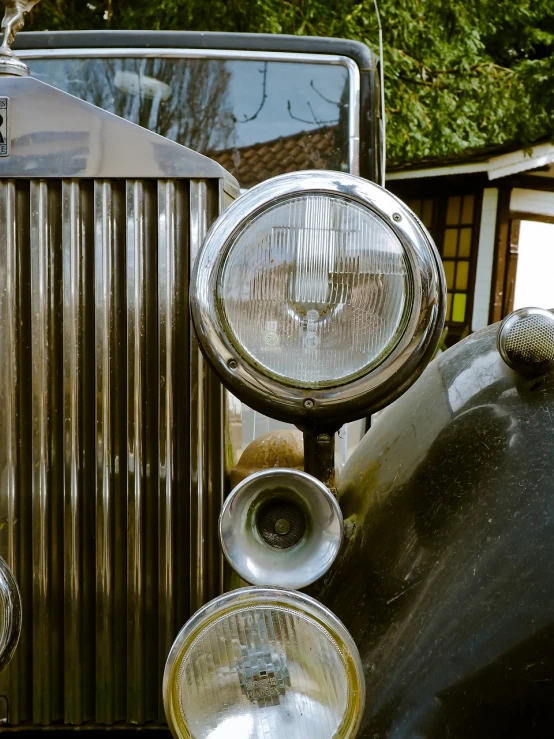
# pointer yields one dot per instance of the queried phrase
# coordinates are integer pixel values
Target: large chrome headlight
(318, 292)
(260, 662)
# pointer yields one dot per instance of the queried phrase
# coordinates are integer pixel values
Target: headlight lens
(263, 663)
(314, 290)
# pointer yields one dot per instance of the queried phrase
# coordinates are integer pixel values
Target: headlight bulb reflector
(263, 663)
(314, 290)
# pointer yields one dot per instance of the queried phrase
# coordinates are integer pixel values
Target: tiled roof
(305, 150)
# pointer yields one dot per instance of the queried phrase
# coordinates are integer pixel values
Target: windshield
(257, 118)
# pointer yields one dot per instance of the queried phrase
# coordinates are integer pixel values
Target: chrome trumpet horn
(281, 528)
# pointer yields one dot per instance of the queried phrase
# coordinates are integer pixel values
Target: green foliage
(459, 74)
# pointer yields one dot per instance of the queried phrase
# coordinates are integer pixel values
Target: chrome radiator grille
(111, 441)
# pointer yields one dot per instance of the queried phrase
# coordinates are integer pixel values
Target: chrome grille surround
(112, 441)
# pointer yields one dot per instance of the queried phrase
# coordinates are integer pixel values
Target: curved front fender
(447, 578)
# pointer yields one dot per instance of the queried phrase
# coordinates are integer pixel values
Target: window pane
(467, 210)
(453, 211)
(427, 215)
(449, 272)
(450, 242)
(448, 306)
(459, 307)
(462, 274)
(464, 248)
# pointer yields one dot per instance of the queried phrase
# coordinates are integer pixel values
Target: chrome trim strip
(136, 269)
(47, 482)
(198, 369)
(104, 327)
(175, 443)
(166, 365)
(279, 56)
(9, 351)
(73, 335)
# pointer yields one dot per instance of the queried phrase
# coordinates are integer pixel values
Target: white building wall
(538, 202)
(485, 257)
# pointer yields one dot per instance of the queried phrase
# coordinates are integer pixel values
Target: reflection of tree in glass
(339, 124)
(186, 100)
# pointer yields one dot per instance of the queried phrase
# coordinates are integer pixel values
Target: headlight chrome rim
(10, 603)
(351, 399)
(254, 598)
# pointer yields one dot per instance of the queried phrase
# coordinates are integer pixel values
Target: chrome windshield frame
(230, 54)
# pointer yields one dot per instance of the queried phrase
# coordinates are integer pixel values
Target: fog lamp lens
(263, 663)
(314, 290)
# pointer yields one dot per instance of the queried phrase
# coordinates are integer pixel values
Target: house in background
(474, 206)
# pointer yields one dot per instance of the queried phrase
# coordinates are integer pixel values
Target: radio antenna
(382, 85)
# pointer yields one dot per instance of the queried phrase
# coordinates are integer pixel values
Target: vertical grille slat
(78, 417)
(105, 259)
(110, 467)
(111, 448)
(173, 371)
(141, 432)
(198, 482)
(9, 342)
(46, 456)
(136, 327)
(73, 331)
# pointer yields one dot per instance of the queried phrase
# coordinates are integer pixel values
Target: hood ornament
(12, 23)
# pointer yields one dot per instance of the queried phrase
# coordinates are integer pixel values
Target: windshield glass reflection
(257, 118)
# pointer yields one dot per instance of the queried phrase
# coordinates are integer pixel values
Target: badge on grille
(4, 127)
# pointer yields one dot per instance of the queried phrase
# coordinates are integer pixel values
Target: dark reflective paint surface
(447, 578)
(233, 110)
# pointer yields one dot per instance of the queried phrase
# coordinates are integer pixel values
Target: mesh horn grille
(281, 524)
(526, 340)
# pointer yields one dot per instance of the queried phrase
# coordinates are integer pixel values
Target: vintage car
(412, 596)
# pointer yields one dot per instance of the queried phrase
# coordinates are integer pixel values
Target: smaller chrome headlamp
(258, 663)
(318, 294)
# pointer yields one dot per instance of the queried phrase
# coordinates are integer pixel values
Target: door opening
(534, 284)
